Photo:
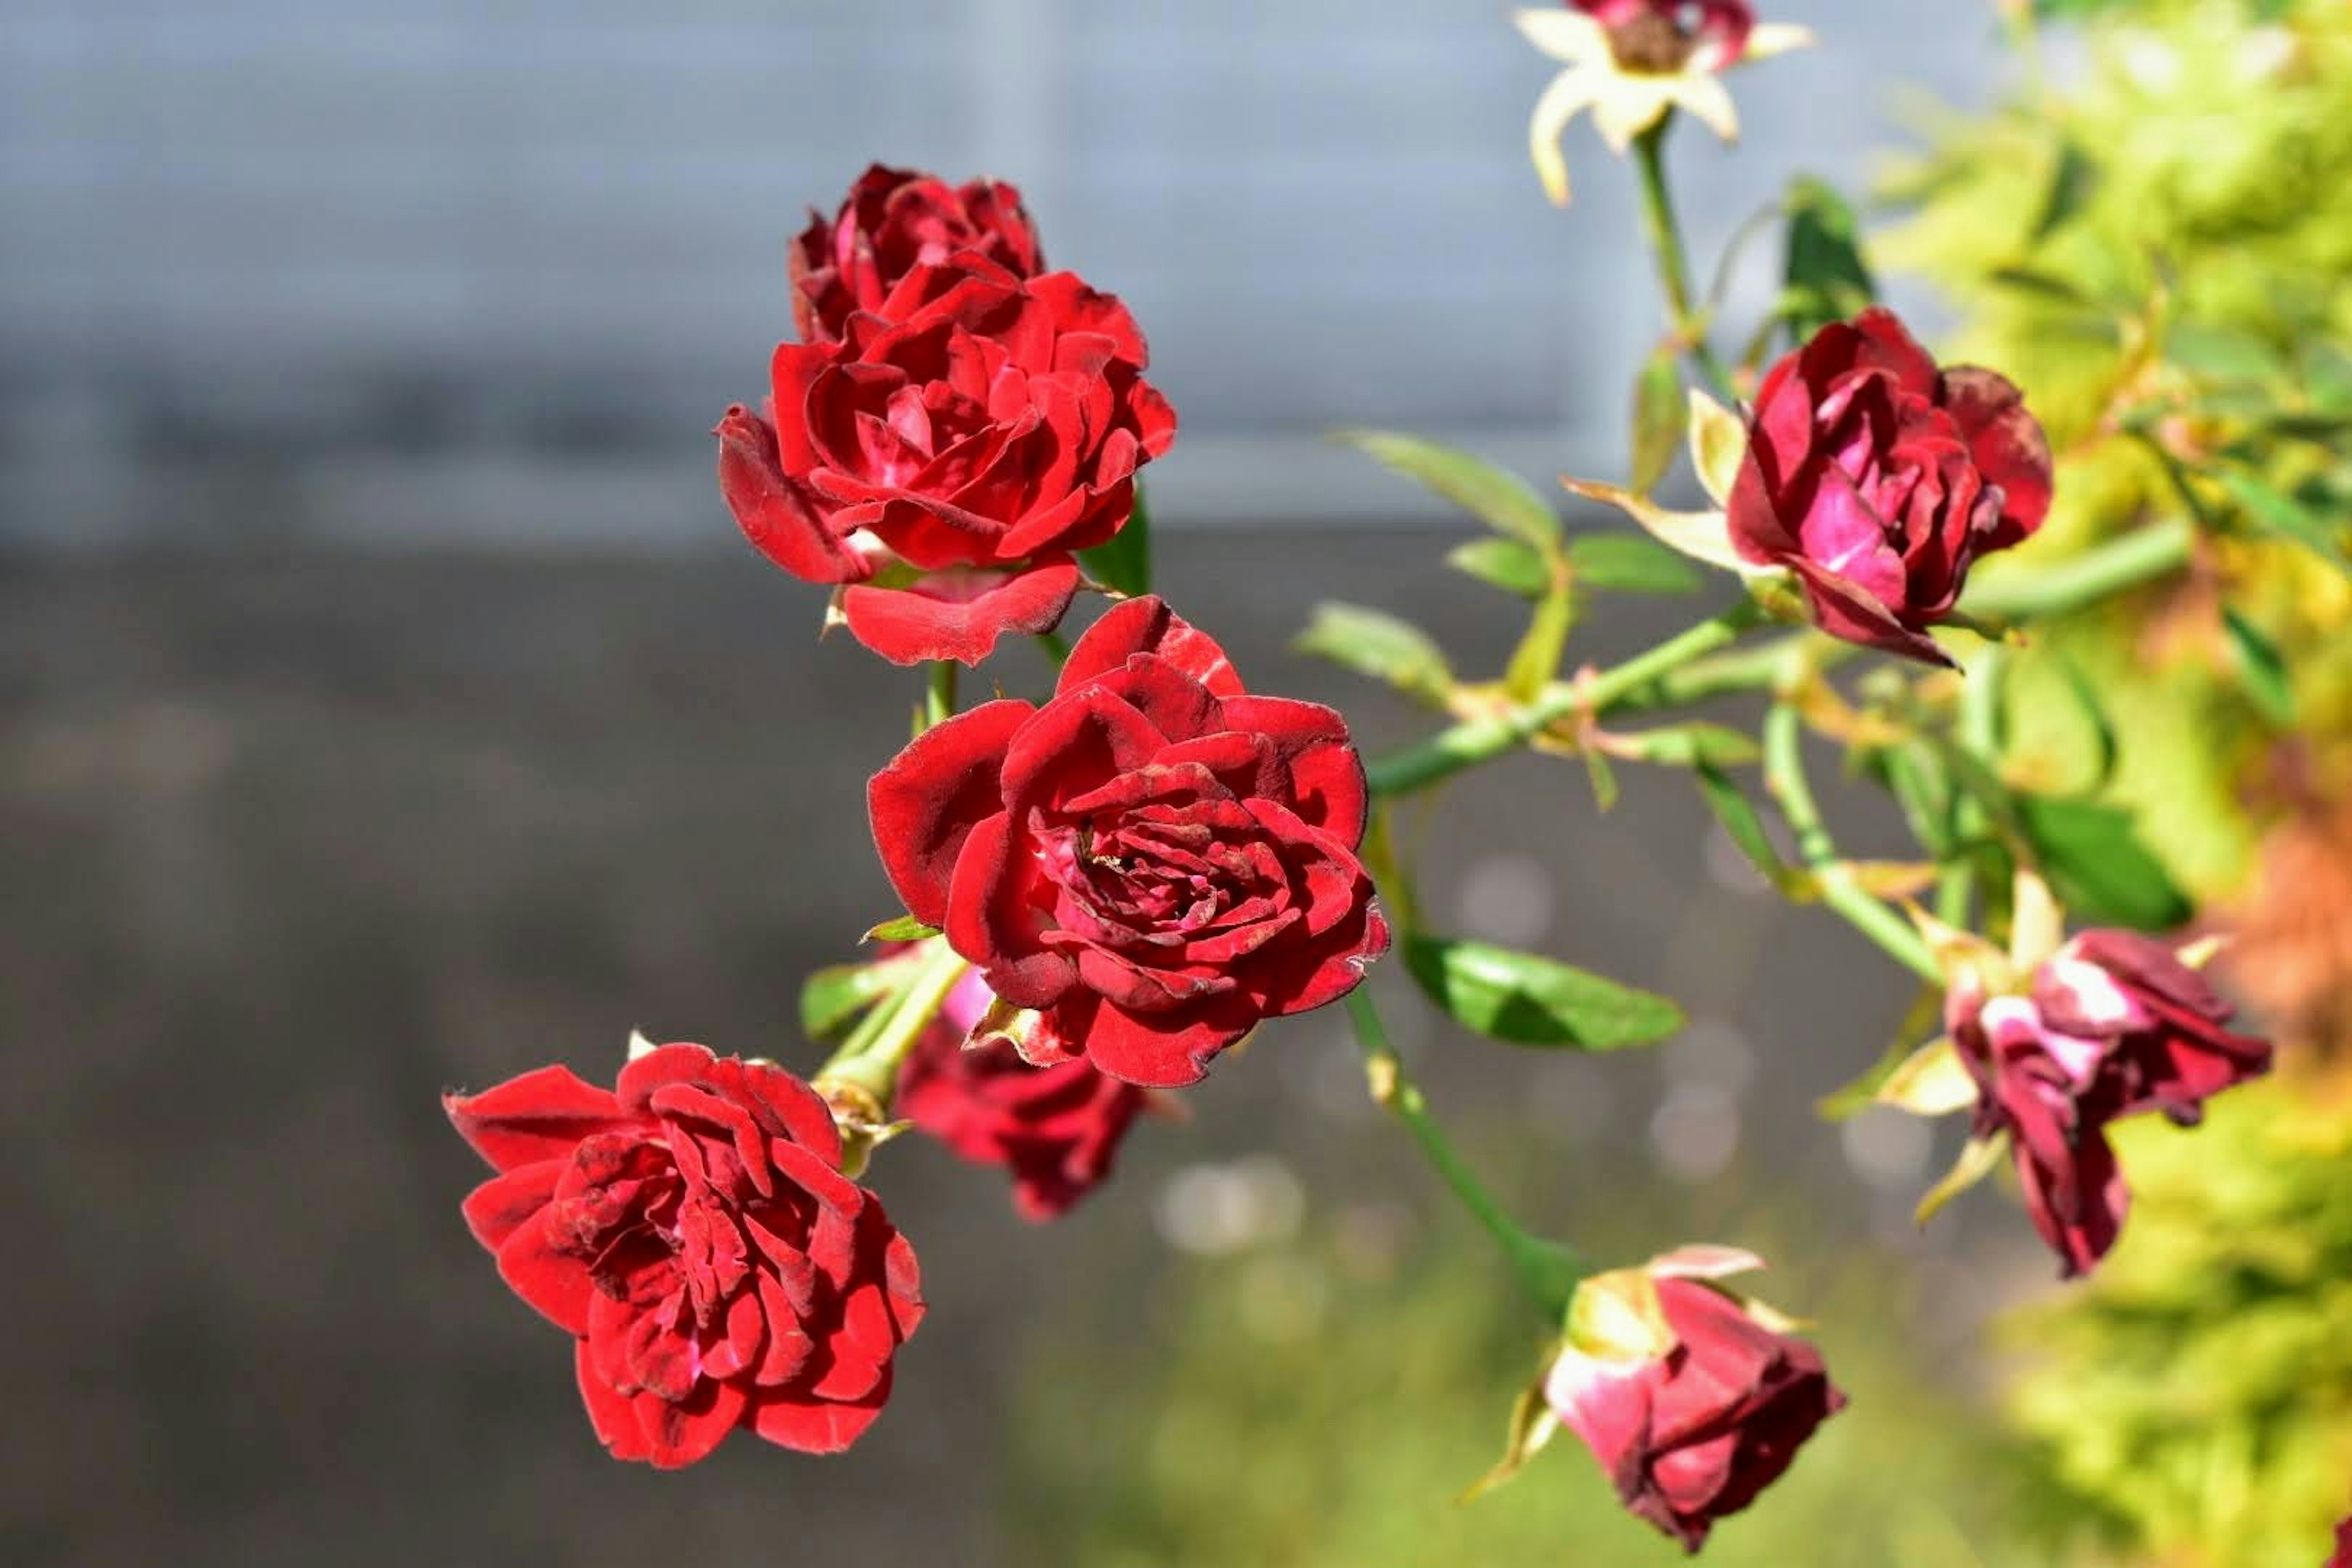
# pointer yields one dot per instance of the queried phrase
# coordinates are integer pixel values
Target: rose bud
(691, 1231)
(1878, 478)
(1154, 861)
(1634, 62)
(1055, 1129)
(2114, 1024)
(1694, 1398)
(893, 221)
(948, 455)
(2342, 1558)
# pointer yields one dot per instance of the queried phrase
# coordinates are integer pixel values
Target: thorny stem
(1477, 739)
(868, 1061)
(1548, 1270)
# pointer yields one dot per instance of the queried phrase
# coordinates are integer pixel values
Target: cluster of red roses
(1142, 868)
(1138, 870)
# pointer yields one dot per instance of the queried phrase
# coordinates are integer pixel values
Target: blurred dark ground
(385, 706)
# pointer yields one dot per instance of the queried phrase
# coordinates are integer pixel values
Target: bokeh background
(387, 704)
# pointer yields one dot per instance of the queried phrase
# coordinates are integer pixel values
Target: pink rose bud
(1878, 479)
(1689, 1395)
(1649, 35)
(2115, 1025)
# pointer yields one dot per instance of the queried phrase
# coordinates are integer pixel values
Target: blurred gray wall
(484, 273)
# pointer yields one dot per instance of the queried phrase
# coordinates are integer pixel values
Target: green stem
(1548, 1269)
(939, 697)
(870, 1058)
(1666, 246)
(2128, 560)
(1056, 646)
(1784, 776)
(1479, 739)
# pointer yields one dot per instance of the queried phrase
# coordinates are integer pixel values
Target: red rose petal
(541, 1115)
(1147, 625)
(960, 614)
(933, 793)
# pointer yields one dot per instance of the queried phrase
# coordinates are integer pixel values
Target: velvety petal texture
(1878, 479)
(2114, 1024)
(692, 1231)
(893, 221)
(1054, 1129)
(953, 426)
(1155, 860)
(1696, 1431)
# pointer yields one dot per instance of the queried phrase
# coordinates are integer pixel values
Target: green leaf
(906, 928)
(2095, 863)
(833, 997)
(1511, 564)
(2044, 285)
(1930, 1081)
(1381, 646)
(1744, 825)
(1696, 745)
(1123, 562)
(1828, 279)
(1603, 777)
(2073, 179)
(1525, 1000)
(2261, 669)
(1501, 500)
(1701, 535)
(1660, 413)
(1628, 563)
(1536, 658)
(2276, 513)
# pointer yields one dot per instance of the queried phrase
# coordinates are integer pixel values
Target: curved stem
(1784, 776)
(1666, 246)
(1479, 739)
(1548, 1270)
(2128, 560)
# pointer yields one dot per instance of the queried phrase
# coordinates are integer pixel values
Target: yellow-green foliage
(2199, 1389)
(2166, 217)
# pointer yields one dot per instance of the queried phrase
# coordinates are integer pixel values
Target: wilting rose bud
(893, 221)
(1878, 478)
(1694, 1399)
(1055, 1129)
(690, 1229)
(2114, 1024)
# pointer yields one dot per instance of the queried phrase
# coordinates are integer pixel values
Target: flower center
(1652, 43)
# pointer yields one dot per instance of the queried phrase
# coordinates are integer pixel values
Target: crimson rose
(1154, 861)
(1689, 1397)
(2116, 1025)
(1878, 478)
(1054, 1128)
(893, 221)
(1650, 33)
(693, 1232)
(948, 455)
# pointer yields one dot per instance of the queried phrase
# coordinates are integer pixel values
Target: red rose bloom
(1651, 34)
(1878, 478)
(893, 221)
(693, 1232)
(1054, 1128)
(1154, 861)
(2116, 1025)
(947, 456)
(1710, 1416)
